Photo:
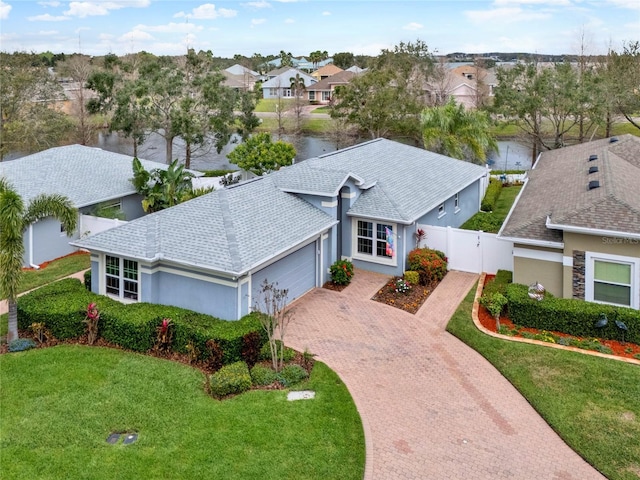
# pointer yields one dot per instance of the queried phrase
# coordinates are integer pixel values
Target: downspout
(31, 264)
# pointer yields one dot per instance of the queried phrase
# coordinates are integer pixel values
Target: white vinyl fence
(90, 225)
(469, 250)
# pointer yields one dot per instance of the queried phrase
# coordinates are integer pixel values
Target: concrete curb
(476, 321)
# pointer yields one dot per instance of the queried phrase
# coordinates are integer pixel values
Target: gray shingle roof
(409, 181)
(558, 187)
(230, 230)
(84, 174)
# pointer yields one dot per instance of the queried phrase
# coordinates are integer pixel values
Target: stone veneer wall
(578, 274)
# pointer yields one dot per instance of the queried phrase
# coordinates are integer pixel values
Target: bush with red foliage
(430, 264)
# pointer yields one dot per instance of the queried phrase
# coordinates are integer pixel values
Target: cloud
(136, 36)
(260, 4)
(630, 4)
(413, 26)
(92, 9)
(4, 10)
(48, 18)
(504, 15)
(208, 11)
(49, 4)
(326, 13)
(170, 28)
(48, 33)
(289, 20)
(258, 21)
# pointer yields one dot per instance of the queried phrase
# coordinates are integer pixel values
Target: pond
(512, 155)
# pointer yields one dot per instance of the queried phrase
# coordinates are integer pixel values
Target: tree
(297, 89)
(29, 119)
(79, 69)
(464, 134)
(162, 188)
(259, 154)
(344, 60)
(14, 219)
(247, 119)
(625, 69)
(286, 59)
(274, 318)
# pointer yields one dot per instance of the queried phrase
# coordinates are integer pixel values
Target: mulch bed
(410, 301)
(619, 349)
(334, 286)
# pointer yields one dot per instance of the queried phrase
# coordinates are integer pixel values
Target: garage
(296, 272)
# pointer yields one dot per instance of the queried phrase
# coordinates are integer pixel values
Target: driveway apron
(431, 407)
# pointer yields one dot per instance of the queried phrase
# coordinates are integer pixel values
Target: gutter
(591, 231)
(31, 264)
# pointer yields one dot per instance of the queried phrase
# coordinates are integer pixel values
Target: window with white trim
(456, 202)
(326, 96)
(371, 241)
(121, 277)
(612, 279)
(441, 210)
(312, 95)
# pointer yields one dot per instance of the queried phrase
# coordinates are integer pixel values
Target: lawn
(492, 221)
(593, 403)
(54, 270)
(59, 405)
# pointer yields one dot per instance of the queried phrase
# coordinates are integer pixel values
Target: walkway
(432, 408)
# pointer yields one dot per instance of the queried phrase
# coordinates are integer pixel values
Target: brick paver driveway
(432, 408)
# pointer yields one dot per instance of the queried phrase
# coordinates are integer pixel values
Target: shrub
(292, 374)
(412, 277)
(485, 221)
(251, 343)
(570, 316)
(431, 265)
(494, 303)
(261, 375)
(499, 283)
(87, 279)
(215, 355)
(21, 344)
(491, 196)
(341, 272)
(230, 379)
(91, 320)
(400, 285)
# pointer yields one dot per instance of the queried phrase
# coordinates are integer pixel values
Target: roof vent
(593, 157)
(593, 169)
(613, 139)
(594, 184)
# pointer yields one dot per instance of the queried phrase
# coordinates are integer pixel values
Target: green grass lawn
(54, 271)
(492, 221)
(59, 405)
(593, 403)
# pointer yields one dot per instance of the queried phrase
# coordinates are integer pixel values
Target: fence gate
(469, 250)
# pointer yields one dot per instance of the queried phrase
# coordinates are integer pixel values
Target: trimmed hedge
(571, 316)
(491, 196)
(61, 306)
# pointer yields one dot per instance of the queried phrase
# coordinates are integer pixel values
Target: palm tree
(14, 219)
(464, 134)
(297, 85)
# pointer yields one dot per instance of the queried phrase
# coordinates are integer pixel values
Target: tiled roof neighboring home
(230, 230)
(356, 69)
(557, 196)
(400, 182)
(326, 71)
(329, 83)
(85, 175)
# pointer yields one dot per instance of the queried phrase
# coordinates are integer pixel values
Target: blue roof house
(212, 253)
(89, 177)
(279, 86)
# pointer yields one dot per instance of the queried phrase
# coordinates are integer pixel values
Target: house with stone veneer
(212, 254)
(576, 223)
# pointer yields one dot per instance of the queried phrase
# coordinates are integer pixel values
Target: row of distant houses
(468, 84)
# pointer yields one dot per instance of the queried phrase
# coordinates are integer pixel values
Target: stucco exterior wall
(548, 273)
(48, 242)
(468, 205)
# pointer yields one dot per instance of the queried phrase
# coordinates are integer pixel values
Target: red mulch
(334, 286)
(410, 301)
(626, 349)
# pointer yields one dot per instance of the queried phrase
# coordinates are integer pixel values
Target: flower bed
(394, 293)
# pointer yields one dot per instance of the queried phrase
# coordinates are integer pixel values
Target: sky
(167, 27)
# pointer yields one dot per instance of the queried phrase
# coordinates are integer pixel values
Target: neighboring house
(240, 81)
(326, 71)
(212, 254)
(469, 85)
(322, 92)
(279, 86)
(238, 69)
(89, 177)
(301, 63)
(576, 223)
